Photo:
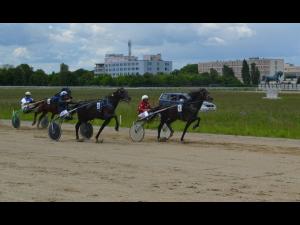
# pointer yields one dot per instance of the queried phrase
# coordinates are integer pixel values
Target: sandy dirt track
(206, 168)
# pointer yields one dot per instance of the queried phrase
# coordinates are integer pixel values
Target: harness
(103, 103)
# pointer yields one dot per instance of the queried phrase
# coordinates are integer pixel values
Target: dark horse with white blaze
(103, 109)
(189, 113)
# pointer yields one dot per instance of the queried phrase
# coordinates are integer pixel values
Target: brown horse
(46, 108)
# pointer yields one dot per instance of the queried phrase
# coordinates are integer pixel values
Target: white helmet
(63, 93)
(27, 93)
(145, 97)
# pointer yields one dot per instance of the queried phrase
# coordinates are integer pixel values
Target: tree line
(24, 75)
(250, 76)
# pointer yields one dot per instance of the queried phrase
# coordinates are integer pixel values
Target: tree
(190, 68)
(213, 75)
(246, 73)
(227, 71)
(255, 74)
(39, 78)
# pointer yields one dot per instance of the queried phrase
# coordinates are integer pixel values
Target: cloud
(21, 52)
(83, 44)
(216, 41)
(241, 31)
(66, 36)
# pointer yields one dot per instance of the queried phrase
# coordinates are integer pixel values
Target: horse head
(122, 94)
(201, 95)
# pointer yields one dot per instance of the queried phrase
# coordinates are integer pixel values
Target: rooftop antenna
(129, 48)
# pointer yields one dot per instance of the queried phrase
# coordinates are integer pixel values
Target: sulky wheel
(137, 132)
(15, 120)
(54, 131)
(86, 130)
(44, 122)
(165, 132)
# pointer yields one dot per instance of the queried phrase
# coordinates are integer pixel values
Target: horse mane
(195, 93)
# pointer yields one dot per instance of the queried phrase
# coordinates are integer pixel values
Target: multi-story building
(118, 64)
(266, 66)
(291, 70)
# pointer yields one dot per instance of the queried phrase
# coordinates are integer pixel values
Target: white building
(266, 66)
(118, 64)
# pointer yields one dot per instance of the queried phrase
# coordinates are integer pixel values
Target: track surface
(206, 168)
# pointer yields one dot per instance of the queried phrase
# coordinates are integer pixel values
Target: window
(137, 68)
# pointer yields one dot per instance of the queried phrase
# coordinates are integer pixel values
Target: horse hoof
(162, 140)
(182, 142)
(99, 141)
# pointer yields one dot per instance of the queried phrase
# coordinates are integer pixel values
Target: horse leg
(34, 119)
(159, 129)
(117, 123)
(186, 127)
(40, 118)
(168, 123)
(52, 116)
(77, 128)
(101, 128)
(197, 124)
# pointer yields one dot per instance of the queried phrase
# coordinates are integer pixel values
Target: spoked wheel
(165, 132)
(54, 131)
(44, 122)
(15, 120)
(86, 130)
(137, 132)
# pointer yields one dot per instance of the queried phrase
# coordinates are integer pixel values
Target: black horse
(189, 113)
(103, 109)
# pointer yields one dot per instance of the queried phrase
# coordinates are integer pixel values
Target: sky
(81, 45)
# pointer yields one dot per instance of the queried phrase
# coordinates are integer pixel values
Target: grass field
(238, 113)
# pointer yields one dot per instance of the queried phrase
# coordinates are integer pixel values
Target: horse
(103, 109)
(276, 77)
(189, 113)
(46, 108)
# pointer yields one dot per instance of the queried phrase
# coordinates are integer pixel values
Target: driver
(63, 101)
(144, 107)
(26, 101)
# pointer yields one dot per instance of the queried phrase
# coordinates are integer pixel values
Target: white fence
(282, 87)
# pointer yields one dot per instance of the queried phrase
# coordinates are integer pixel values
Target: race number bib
(179, 108)
(98, 105)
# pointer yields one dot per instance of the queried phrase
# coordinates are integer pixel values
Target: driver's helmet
(63, 93)
(67, 90)
(145, 97)
(27, 93)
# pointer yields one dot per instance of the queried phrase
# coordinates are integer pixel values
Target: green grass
(238, 113)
